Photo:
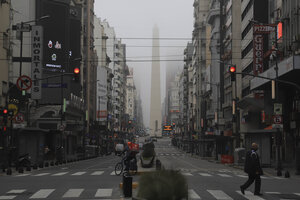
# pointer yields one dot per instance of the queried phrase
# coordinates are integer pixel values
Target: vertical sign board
(37, 61)
(258, 45)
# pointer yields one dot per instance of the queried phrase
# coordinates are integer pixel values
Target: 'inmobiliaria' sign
(36, 61)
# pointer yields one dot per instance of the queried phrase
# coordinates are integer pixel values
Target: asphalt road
(95, 179)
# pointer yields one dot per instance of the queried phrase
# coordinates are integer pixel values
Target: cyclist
(129, 155)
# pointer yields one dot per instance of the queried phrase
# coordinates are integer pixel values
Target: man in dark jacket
(253, 169)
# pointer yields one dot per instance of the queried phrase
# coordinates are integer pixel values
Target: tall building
(199, 60)
(155, 107)
(4, 50)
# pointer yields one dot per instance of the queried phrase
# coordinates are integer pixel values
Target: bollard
(9, 171)
(287, 174)
(297, 161)
(21, 170)
(158, 164)
(127, 185)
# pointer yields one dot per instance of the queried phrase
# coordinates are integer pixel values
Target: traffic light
(232, 71)
(76, 73)
(4, 113)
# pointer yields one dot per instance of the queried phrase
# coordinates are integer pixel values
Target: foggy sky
(135, 19)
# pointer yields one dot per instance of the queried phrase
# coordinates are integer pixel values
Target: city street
(95, 179)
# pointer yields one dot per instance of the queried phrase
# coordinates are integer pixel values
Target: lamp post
(25, 27)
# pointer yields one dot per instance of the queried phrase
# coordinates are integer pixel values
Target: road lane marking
(242, 176)
(42, 174)
(97, 173)
(204, 174)
(298, 194)
(250, 195)
(7, 197)
(78, 174)
(193, 194)
(280, 178)
(272, 192)
(41, 194)
(114, 173)
(73, 193)
(103, 193)
(219, 194)
(187, 174)
(15, 191)
(59, 174)
(20, 175)
(224, 175)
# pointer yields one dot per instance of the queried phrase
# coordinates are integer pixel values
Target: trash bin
(127, 185)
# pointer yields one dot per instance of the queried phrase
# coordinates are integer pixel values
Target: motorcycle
(23, 161)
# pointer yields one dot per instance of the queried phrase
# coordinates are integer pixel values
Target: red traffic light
(232, 69)
(5, 111)
(76, 70)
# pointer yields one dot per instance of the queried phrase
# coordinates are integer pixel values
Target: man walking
(253, 169)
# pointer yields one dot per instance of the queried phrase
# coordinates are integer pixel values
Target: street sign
(13, 107)
(19, 118)
(277, 108)
(277, 119)
(22, 27)
(62, 127)
(24, 83)
(22, 125)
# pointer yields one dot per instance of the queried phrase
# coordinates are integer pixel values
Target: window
(5, 41)
(247, 49)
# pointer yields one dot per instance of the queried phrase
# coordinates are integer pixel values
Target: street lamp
(25, 27)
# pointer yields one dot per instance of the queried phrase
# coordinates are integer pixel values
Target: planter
(147, 162)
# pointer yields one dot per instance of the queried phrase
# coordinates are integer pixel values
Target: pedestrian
(253, 169)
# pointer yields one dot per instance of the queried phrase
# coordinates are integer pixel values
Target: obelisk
(155, 105)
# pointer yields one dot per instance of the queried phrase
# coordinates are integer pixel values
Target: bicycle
(119, 168)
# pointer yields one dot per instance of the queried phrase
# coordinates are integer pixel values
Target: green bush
(163, 185)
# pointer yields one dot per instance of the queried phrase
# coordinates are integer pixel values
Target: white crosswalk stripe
(187, 174)
(298, 194)
(225, 175)
(219, 194)
(7, 197)
(272, 192)
(41, 194)
(20, 175)
(16, 191)
(73, 193)
(78, 174)
(250, 195)
(242, 176)
(42, 174)
(59, 174)
(193, 194)
(97, 173)
(204, 174)
(103, 193)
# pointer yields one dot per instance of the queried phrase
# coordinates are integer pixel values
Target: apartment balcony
(212, 14)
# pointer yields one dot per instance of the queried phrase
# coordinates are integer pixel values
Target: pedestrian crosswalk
(185, 172)
(193, 194)
(170, 154)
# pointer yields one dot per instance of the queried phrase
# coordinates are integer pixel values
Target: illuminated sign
(168, 128)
